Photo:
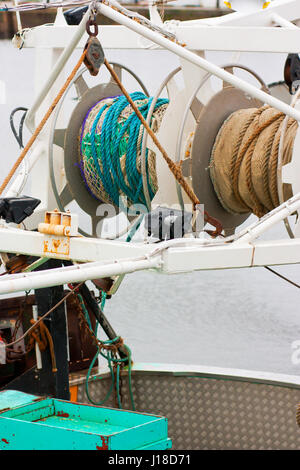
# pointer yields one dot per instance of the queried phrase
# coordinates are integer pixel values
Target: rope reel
(242, 157)
(67, 183)
(110, 150)
(244, 160)
(82, 181)
(210, 118)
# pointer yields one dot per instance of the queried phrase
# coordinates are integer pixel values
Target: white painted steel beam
(186, 259)
(198, 37)
(111, 36)
(279, 252)
(78, 273)
(81, 249)
(168, 261)
(239, 38)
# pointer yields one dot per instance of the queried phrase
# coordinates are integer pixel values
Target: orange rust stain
(104, 444)
(62, 414)
(4, 440)
(56, 245)
(73, 393)
(59, 246)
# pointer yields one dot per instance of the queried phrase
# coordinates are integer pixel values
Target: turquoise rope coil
(110, 148)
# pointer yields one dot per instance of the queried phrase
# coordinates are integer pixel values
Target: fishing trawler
(188, 166)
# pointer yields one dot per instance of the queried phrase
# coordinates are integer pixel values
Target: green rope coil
(111, 361)
(110, 146)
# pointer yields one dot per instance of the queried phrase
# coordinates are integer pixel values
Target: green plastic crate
(28, 422)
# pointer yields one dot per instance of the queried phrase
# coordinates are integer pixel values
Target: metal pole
(64, 57)
(85, 272)
(269, 220)
(282, 21)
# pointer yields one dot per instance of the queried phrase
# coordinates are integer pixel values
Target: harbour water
(243, 318)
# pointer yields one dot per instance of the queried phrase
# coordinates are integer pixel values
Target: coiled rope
(110, 149)
(42, 336)
(244, 160)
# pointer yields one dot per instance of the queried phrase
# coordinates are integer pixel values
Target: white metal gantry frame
(250, 31)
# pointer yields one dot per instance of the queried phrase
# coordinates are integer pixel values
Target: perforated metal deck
(209, 410)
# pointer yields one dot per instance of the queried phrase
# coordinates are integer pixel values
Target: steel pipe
(78, 273)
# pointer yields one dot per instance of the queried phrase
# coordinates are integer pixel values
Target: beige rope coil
(244, 160)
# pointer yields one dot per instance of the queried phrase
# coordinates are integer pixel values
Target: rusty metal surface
(210, 413)
(18, 311)
(82, 349)
(94, 56)
(59, 223)
(56, 245)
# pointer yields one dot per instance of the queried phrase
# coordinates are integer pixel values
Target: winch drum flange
(75, 188)
(211, 118)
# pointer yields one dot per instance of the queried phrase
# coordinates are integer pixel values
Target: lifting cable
(282, 277)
